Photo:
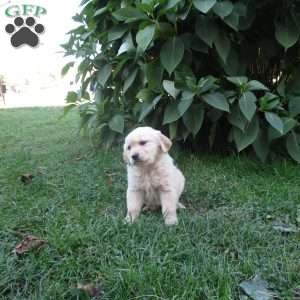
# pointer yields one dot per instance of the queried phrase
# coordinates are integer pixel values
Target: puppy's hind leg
(134, 205)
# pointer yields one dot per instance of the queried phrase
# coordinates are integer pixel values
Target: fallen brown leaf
(257, 288)
(90, 289)
(110, 178)
(79, 158)
(29, 243)
(285, 228)
(296, 293)
(27, 178)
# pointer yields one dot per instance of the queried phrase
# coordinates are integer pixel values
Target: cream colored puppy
(153, 179)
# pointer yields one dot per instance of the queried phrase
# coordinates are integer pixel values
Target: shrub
(192, 68)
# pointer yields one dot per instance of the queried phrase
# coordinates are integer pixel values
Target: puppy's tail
(180, 205)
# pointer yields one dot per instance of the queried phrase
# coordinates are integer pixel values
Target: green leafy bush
(192, 68)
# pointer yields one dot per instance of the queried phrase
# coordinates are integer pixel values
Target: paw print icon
(24, 32)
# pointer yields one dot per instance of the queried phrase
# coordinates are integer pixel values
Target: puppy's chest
(150, 185)
(149, 182)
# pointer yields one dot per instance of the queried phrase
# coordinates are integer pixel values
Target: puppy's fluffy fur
(153, 179)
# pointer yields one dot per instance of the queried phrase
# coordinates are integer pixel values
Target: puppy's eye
(129, 147)
(142, 143)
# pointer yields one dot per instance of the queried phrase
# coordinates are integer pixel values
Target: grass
(76, 202)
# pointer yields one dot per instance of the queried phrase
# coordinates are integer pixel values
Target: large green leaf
(286, 32)
(223, 8)
(222, 44)
(71, 97)
(171, 113)
(236, 117)
(117, 123)
(100, 11)
(275, 121)
(145, 7)
(119, 67)
(171, 3)
(262, 145)
(103, 74)
(247, 105)
(216, 100)
(293, 83)
(206, 83)
(66, 68)
(233, 19)
(116, 32)
(269, 102)
(288, 124)
(238, 80)
(129, 14)
(255, 85)
(293, 147)
(173, 128)
(193, 118)
(198, 45)
(145, 95)
(186, 100)
(148, 107)
(129, 80)
(154, 74)
(127, 44)
(67, 109)
(206, 29)
(145, 36)
(204, 5)
(172, 53)
(294, 105)
(246, 138)
(169, 87)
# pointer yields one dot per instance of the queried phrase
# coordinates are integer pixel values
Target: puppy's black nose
(135, 156)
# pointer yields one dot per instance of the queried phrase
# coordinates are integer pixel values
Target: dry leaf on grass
(296, 293)
(257, 288)
(30, 242)
(78, 158)
(90, 289)
(27, 178)
(110, 178)
(285, 228)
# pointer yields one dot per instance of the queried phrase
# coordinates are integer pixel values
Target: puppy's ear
(165, 142)
(125, 157)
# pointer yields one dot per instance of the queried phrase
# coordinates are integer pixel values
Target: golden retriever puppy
(153, 179)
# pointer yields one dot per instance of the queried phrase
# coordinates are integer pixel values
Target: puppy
(153, 179)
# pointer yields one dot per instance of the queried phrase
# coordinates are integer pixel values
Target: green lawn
(76, 202)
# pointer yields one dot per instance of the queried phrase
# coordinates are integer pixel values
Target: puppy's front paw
(171, 220)
(128, 220)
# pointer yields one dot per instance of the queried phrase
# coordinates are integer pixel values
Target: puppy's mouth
(137, 162)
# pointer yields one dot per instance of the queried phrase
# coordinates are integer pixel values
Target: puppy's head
(143, 145)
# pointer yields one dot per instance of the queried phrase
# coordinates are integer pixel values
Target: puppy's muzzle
(135, 157)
